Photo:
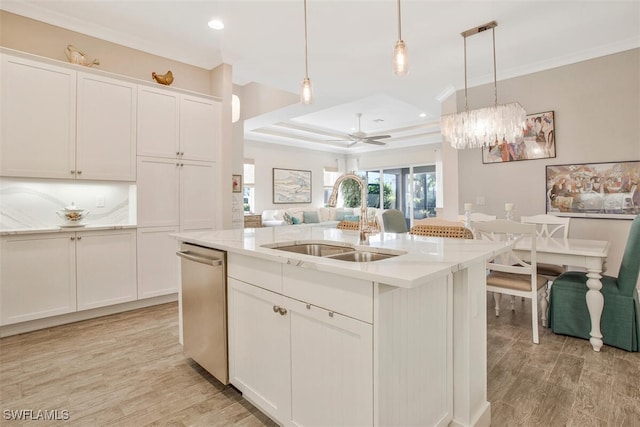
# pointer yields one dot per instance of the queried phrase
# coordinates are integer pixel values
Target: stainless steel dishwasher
(204, 308)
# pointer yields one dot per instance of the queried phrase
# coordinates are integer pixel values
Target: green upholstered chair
(393, 221)
(620, 322)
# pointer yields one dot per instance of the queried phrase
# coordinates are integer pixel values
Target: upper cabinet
(199, 128)
(61, 123)
(38, 119)
(174, 125)
(106, 128)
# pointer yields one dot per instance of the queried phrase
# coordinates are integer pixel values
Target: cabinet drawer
(345, 295)
(258, 272)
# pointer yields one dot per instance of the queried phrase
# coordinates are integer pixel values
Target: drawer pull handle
(331, 314)
(308, 306)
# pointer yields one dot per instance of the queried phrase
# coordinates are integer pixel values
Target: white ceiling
(350, 47)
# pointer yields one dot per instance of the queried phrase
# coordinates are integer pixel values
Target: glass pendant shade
(484, 126)
(306, 93)
(400, 59)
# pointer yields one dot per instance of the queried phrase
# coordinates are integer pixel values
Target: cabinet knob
(177, 153)
(308, 306)
(181, 153)
(79, 237)
(282, 311)
(276, 309)
(79, 172)
(72, 238)
(331, 314)
(72, 172)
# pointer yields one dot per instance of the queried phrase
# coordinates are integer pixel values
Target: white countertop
(63, 229)
(426, 258)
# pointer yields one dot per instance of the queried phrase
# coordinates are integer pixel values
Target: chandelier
(483, 126)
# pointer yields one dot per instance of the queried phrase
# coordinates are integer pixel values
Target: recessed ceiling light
(216, 24)
(423, 114)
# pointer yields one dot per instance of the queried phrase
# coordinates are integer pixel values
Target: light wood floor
(129, 370)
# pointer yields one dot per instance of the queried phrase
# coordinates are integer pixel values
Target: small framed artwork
(236, 183)
(594, 190)
(538, 142)
(291, 186)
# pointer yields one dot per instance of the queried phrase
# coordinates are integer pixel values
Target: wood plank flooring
(129, 370)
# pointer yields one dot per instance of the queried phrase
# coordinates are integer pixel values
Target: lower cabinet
(105, 268)
(38, 276)
(45, 275)
(158, 265)
(301, 364)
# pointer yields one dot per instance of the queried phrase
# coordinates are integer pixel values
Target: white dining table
(588, 254)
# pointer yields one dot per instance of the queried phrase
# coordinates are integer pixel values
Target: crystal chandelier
(483, 126)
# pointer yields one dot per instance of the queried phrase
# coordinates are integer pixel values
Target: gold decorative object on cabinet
(163, 79)
(76, 56)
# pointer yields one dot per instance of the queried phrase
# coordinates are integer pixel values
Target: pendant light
(484, 126)
(400, 59)
(306, 94)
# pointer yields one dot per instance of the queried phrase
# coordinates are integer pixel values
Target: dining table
(588, 254)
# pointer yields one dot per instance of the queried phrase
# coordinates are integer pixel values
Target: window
(330, 177)
(249, 185)
(410, 189)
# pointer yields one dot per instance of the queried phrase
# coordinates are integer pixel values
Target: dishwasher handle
(200, 259)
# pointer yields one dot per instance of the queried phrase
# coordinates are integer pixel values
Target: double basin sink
(334, 251)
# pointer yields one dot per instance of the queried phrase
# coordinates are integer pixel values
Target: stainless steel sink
(337, 251)
(362, 256)
(315, 249)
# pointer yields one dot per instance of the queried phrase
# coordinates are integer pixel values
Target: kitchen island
(317, 340)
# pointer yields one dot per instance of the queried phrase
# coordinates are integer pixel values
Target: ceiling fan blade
(373, 141)
(378, 137)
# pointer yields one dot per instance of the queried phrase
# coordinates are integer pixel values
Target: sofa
(318, 217)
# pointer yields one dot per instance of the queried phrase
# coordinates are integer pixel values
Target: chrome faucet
(365, 229)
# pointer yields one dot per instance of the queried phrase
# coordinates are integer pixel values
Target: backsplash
(32, 203)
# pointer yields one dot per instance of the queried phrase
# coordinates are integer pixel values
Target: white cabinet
(61, 123)
(158, 122)
(38, 119)
(157, 262)
(106, 129)
(176, 193)
(38, 277)
(302, 364)
(49, 274)
(174, 125)
(199, 128)
(259, 348)
(106, 268)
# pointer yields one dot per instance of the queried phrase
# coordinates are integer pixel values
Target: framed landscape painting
(291, 186)
(538, 142)
(596, 190)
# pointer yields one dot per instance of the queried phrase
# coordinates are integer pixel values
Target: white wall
(390, 158)
(268, 156)
(597, 114)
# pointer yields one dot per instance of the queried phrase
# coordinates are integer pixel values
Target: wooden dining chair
(549, 226)
(512, 274)
(453, 230)
(620, 321)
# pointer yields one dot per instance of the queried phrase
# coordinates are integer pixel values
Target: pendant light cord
(306, 61)
(466, 101)
(495, 79)
(399, 22)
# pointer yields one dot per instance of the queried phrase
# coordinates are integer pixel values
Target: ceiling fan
(360, 136)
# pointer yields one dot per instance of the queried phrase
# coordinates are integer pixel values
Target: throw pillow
(310, 217)
(352, 217)
(295, 220)
(340, 215)
(287, 218)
